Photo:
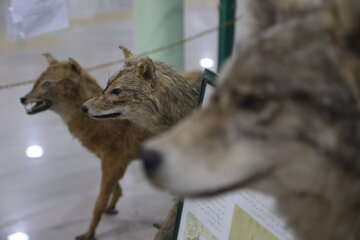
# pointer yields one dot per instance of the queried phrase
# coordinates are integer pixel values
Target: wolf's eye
(116, 91)
(251, 102)
(46, 84)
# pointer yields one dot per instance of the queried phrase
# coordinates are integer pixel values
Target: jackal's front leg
(107, 186)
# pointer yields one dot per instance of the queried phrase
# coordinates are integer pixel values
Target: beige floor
(51, 197)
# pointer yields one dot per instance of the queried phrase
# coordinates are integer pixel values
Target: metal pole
(226, 34)
(158, 23)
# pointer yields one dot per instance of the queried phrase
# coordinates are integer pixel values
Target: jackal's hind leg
(107, 186)
(116, 194)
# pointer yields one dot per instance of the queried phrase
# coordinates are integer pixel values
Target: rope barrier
(156, 50)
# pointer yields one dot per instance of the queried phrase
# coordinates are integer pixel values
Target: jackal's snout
(151, 160)
(34, 105)
(84, 108)
(22, 100)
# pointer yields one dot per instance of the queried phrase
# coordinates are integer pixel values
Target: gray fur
(285, 120)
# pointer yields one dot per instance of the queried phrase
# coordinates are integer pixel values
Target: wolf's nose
(22, 100)
(151, 160)
(84, 108)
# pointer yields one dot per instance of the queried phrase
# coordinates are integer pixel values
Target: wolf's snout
(84, 108)
(151, 160)
(23, 100)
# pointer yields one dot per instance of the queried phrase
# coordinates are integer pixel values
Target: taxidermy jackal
(285, 120)
(148, 93)
(152, 95)
(62, 88)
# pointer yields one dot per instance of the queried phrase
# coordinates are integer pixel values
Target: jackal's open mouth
(33, 107)
(110, 115)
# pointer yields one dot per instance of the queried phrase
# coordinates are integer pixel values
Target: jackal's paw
(111, 211)
(85, 237)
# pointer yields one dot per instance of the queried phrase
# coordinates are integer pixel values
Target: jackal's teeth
(31, 106)
(37, 106)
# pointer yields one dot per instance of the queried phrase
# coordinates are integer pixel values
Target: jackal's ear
(49, 58)
(146, 69)
(126, 52)
(75, 66)
(342, 19)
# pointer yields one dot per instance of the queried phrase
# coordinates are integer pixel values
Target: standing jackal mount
(62, 88)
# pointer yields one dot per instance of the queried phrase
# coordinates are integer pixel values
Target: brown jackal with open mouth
(62, 88)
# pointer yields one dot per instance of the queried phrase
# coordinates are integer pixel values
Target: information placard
(237, 215)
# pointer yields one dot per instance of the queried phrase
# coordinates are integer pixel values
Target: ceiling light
(18, 236)
(206, 62)
(34, 151)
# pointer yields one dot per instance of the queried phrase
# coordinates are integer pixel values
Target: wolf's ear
(343, 22)
(266, 13)
(126, 52)
(75, 66)
(262, 14)
(146, 69)
(49, 58)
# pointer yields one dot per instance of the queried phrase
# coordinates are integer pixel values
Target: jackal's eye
(46, 84)
(116, 91)
(251, 102)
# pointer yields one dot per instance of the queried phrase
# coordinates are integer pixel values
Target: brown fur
(285, 120)
(114, 142)
(152, 95)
